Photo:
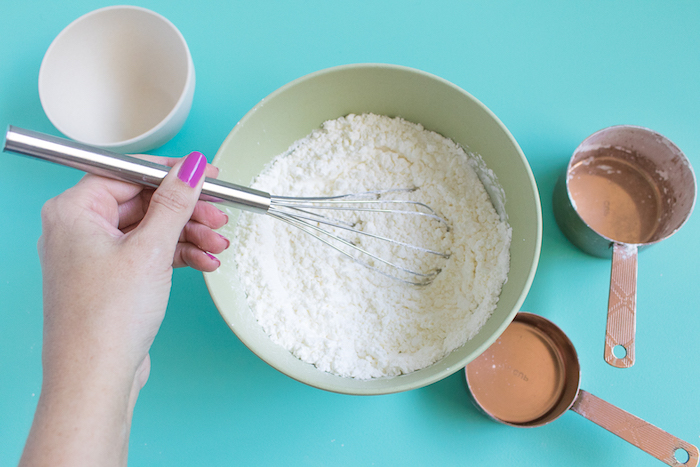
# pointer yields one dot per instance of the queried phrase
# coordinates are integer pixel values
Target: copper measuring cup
(625, 188)
(531, 375)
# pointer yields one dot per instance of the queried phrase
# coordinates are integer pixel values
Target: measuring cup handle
(622, 306)
(644, 435)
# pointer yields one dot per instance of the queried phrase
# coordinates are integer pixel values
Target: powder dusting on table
(340, 316)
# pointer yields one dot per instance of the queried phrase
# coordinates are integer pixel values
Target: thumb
(172, 204)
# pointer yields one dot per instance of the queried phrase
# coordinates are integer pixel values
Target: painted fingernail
(192, 169)
(228, 242)
(213, 257)
(225, 215)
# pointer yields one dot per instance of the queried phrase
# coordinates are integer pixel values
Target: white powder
(342, 317)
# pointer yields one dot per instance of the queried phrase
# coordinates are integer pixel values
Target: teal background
(553, 72)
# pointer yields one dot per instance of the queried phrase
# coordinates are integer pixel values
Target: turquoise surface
(553, 72)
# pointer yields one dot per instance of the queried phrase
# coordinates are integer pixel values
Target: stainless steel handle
(121, 167)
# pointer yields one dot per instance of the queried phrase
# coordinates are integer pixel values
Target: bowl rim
(444, 373)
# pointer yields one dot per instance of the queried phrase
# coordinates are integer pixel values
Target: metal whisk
(310, 214)
(301, 213)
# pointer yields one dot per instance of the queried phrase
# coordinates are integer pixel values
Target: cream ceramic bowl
(120, 78)
(293, 111)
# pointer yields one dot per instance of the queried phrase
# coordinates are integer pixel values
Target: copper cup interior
(631, 185)
(529, 377)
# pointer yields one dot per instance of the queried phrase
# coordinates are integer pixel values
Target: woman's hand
(107, 251)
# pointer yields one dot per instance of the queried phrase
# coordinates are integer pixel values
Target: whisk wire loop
(328, 238)
(300, 212)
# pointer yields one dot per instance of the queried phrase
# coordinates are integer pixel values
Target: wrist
(74, 413)
(86, 403)
(81, 366)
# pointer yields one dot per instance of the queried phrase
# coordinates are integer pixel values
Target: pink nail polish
(213, 257)
(192, 169)
(228, 242)
(225, 215)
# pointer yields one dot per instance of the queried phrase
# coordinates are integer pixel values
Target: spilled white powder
(339, 315)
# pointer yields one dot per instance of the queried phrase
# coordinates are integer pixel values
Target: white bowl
(120, 78)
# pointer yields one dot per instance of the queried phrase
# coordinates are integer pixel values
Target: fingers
(204, 238)
(132, 200)
(132, 209)
(173, 211)
(120, 191)
(196, 245)
(209, 215)
(172, 206)
(190, 255)
(131, 213)
(124, 191)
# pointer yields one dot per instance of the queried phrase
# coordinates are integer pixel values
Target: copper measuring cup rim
(667, 142)
(565, 351)
(636, 431)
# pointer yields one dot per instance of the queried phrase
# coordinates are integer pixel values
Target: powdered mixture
(342, 317)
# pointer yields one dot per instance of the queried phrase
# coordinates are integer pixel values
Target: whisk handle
(122, 167)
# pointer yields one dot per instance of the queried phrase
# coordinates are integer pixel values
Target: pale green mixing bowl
(293, 111)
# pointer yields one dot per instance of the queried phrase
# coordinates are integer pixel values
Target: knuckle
(173, 200)
(54, 215)
(49, 210)
(61, 210)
